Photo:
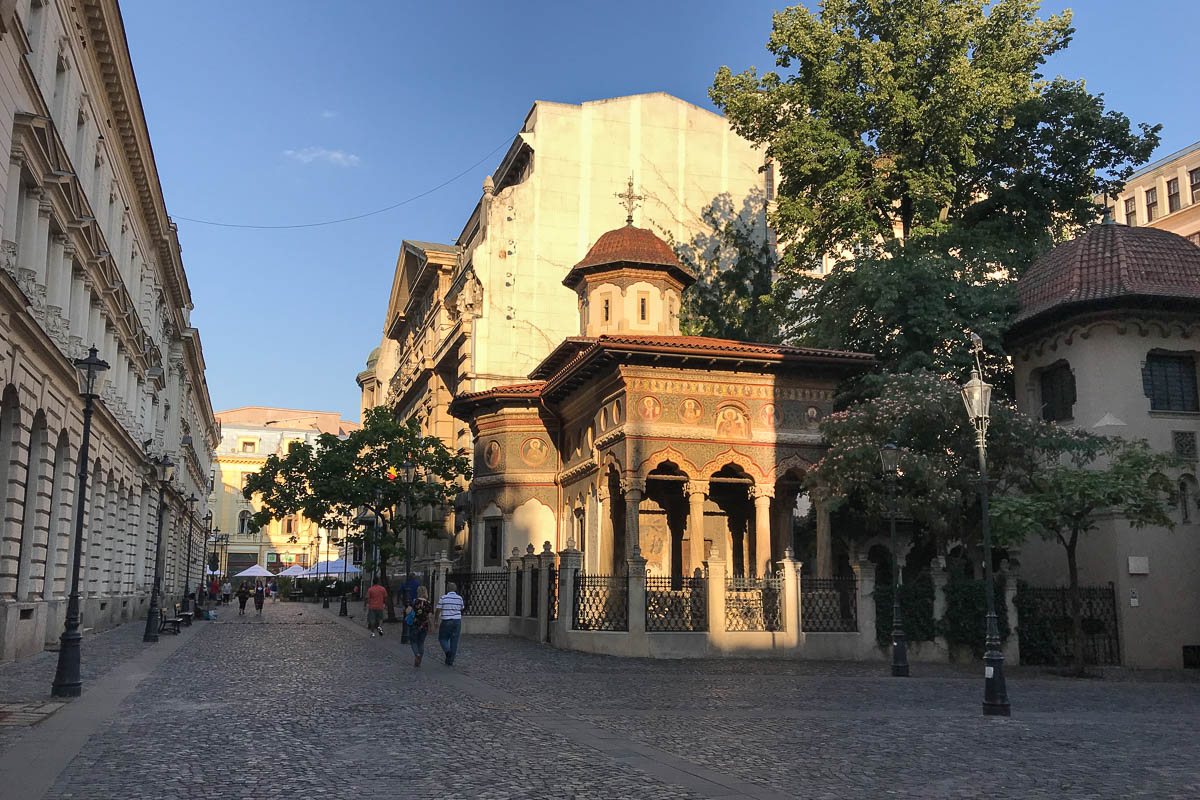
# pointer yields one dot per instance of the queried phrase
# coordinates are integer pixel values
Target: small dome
(629, 245)
(1107, 263)
(373, 357)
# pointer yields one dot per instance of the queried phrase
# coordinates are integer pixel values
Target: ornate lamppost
(187, 580)
(889, 455)
(410, 472)
(165, 471)
(342, 612)
(205, 538)
(977, 397)
(67, 681)
(325, 582)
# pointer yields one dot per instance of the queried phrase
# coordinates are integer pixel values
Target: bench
(186, 616)
(164, 620)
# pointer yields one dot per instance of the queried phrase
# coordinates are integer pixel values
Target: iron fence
(676, 604)
(601, 603)
(535, 596)
(484, 594)
(1046, 631)
(829, 605)
(754, 604)
(552, 593)
(519, 608)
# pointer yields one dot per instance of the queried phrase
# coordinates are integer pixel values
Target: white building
(88, 256)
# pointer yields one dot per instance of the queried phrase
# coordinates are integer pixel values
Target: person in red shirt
(376, 598)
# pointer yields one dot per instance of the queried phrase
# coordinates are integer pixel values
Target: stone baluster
(514, 570)
(529, 563)
(864, 578)
(789, 570)
(570, 561)
(546, 561)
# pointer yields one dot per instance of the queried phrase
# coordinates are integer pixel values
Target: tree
(911, 135)
(734, 264)
(332, 481)
(1065, 494)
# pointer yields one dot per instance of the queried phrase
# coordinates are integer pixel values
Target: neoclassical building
(484, 310)
(89, 256)
(637, 445)
(248, 436)
(1105, 340)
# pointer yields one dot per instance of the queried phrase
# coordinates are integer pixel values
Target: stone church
(639, 446)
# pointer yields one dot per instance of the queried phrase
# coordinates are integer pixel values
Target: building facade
(248, 436)
(1164, 194)
(1105, 340)
(484, 310)
(89, 256)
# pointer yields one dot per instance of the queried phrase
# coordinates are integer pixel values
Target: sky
(289, 112)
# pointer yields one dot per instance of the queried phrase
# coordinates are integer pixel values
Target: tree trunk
(1076, 606)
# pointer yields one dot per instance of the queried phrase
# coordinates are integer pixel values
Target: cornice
(1144, 323)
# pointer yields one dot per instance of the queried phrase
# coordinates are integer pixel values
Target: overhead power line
(403, 202)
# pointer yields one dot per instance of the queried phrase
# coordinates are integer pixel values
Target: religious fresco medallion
(690, 411)
(812, 415)
(534, 451)
(650, 408)
(731, 424)
(491, 454)
(770, 416)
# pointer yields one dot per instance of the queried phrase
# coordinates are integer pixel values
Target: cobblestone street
(298, 703)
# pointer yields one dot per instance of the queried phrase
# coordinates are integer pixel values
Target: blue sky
(297, 111)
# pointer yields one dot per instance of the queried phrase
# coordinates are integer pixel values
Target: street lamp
(187, 581)
(206, 537)
(67, 681)
(889, 456)
(325, 582)
(345, 557)
(410, 471)
(977, 397)
(165, 471)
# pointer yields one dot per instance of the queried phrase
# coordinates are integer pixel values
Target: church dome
(1109, 266)
(629, 246)
(372, 358)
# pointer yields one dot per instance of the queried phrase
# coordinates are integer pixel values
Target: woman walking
(226, 589)
(259, 597)
(243, 594)
(417, 619)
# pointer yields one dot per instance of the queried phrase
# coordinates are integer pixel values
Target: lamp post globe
(889, 458)
(164, 472)
(67, 679)
(977, 397)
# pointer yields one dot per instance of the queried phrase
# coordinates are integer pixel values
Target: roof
(498, 394)
(1191, 148)
(629, 245)
(1108, 265)
(435, 246)
(288, 418)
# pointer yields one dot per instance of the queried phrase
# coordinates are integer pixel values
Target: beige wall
(1179, 166)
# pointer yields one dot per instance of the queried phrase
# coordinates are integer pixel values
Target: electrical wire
(406, 201)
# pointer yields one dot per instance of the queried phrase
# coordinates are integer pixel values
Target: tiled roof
(707, 344)
(515, 391)
(632, 246)
(1109, 262)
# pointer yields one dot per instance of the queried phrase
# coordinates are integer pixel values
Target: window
(1170, 382)
(1151, 204)
(1058, 392)
(643, 306)
(1131, 211)
(1184, 444)
(770, 181)
(1185, 500)
(1172, 195)
(492, 544)
(244, 523)
(302, 559)
(1194, 178)
(607, 309)
(289, 525)
(272, 558)
(249, 446)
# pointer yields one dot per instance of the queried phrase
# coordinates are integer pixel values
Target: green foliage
(916, 610)
(331, 482)
(735, 274)
(965, 622)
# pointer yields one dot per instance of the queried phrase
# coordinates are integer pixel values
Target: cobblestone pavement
(278, 704)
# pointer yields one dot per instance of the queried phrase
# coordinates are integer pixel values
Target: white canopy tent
(331, 568)
(257, 571)
(295, 570)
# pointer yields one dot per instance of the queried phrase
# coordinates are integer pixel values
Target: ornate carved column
(820, 499)
(602, 554)
(697, 493)
(762, 528)
(635, 490)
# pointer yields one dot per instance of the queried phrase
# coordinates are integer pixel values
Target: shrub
(916, 610)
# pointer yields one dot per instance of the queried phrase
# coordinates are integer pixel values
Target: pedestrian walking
(416, 617)
(243, 594)
(408, 593)
(227, 592)
(260, 597)
(214, 590)
(376, 598)
(449, 619)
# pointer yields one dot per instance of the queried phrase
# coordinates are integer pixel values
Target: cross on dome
(629, 200)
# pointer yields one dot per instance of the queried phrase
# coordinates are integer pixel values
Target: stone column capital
(762, 492)
(631, 486)
(696, 488)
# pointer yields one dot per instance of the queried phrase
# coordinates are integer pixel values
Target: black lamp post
(889, 455)
(325, 582)
(410, 472)
(342, 612)
(67, 681)
(165, 470)
(187, 580)
(206, 537)
(977, 397)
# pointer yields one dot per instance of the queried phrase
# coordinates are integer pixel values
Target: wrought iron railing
(1046, 611)
(829, 605)
(552, 593)
(754, 604)
(676, 604)
(484, 594)
(519, 608)
(601, 603)
(534, 594)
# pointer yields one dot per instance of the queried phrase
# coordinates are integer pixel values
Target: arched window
(244, 523)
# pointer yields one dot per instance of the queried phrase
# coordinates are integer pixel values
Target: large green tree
(1068, 490)
(922, 136)
(335, 479)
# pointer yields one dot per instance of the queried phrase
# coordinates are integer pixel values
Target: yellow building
(248, 436)
(1164, 194)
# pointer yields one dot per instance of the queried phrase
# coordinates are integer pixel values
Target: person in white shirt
(449, 614)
